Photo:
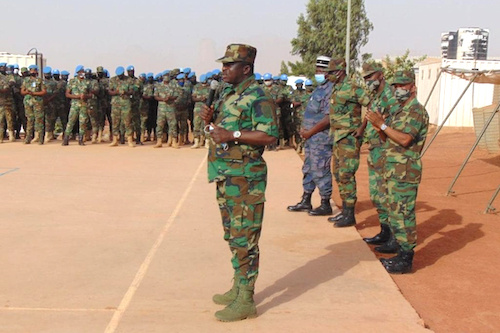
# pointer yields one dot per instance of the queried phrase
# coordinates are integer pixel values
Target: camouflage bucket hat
(404, 77)
(369, 69)
(239, 53)
(100, 69)
(337, 64)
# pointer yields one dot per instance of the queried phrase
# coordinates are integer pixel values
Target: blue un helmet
(180, 76)
(186, 70)
(150, 75)
(47, 70)
(120, 70)
(35, 67)
(216, 72)
(203, 78)
(191, 74)
(276, 78)
(268, 76)
(65, 73)
(308, 82)
(142, 75)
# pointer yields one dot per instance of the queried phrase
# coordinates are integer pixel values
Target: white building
(23, 60)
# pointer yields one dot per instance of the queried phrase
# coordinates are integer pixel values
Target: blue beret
(130, 68)
(79, 68)
(276, 78)
(191, 75)
(309, 82)
(267, 76)
(33, 67)
(216, 71)
(10, 65)
(299, 81)
(55, 72)
(150, 75)
(165, 72)
(203, 78)
(209, 74)
(47, 70)
(258, 76)
(142, 75)
(3, 64)
(180, 76)
(157, 76)
(187, 70)
(120, 70)
(16, 66)
(284, 77)
(88, 70)
(64, 73)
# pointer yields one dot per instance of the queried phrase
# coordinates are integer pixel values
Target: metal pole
(433, 87)
(485, 127)
(489, 207)
(448, 115)
(348, 38)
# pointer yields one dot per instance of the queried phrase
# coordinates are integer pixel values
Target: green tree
(399, 63)
(322, 31)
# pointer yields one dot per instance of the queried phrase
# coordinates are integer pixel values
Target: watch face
(237, 134)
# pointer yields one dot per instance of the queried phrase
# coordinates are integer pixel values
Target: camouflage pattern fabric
(50, 105)
(241, 174)
(166, 111)
(104, 102)
(33, 106)
(137, 87)
(121, 106)
(6, 105)
(199, 91)
(79, 108)
(60, 103)
(318, 148)
(93, 106)
(403, 171)
(346, 163)
(148, 91)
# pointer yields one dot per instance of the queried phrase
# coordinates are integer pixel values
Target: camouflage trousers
(182, 118)
(198, 124)
(166, 116)
(346, 163)
(297, 123)
(93, 111)
(78, 111)
(400, 203)
(7, 115)
(241, 204)
(50, 117)
(61, 113)
(376, 183)
(136, 117)
(121, 117)
(144, 111)
(317, 171)
(33, 109)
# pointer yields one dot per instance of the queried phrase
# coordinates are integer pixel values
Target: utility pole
(348, 38)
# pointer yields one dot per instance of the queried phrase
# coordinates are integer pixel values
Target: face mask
(268, 83)
(100, 75)
(402, 94)
(320, 78)
(181, 83)
(47, 77)
(16, 71)
(34, 74)
(8, 72)
(81, 75)
(373, 85)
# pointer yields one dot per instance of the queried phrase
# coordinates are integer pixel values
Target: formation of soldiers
(163, 107)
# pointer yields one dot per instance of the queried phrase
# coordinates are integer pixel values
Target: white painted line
(124, 304)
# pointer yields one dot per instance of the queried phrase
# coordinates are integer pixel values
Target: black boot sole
(373, 241)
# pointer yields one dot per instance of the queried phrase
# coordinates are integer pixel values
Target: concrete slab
(129, 240)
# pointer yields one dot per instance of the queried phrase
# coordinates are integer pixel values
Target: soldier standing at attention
(60, 100)
(404, 133)
(78, 91)
(93, 104)
(318, 145)
(166, 96)
(6, 105)
(245, 124)
(49, 105)
(297, 112)
(33, 90)
(103, 102)
(137, 86)
(145, 105)
(200, 95)
(345, 125)
(120, 91)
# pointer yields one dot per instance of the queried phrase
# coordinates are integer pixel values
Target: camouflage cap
(337, 64)
(239, 53)
(370, 68)
(100, 69)
(404, 77)
(24, 69)
(174, 72)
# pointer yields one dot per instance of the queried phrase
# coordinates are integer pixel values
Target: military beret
(239, 53)
(142, 75)
(284, 77)
(370, 68)
(130, 68)
(299, 81)
(191, 74)
(55, 72)
(88, 70)
(186, 70)
(309, 82)
(203, 78)
(258, 76)
(64, 73)
(3, 64)
(47, 70)
(268, 76)
(322, 61)
(35, 67)
(79, 68)
(119, 70)
(180, 76)
(100, 69)
(216, 71)
(404, 77)
(276, 78)
(16, 66)
(337, 64)
(150, 75)
(10, 66)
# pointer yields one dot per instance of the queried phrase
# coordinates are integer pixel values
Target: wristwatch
(383, 127)
(236, 134)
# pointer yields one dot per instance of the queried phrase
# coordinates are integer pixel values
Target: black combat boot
(347, 220)
(65, 140)
(325, 208)
(80, 140)
(391, 246)
(337, 217)
(400, 264)
(122, 139)
(380, 238)
(304, 205)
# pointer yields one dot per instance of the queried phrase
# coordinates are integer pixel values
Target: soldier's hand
(220, 135)
(375, 118)
(305, 134)
(358, 133)
(206, 113)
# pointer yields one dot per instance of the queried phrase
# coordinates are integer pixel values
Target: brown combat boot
(158, 144)
(130, 141)
(175, 144)
(114, 143)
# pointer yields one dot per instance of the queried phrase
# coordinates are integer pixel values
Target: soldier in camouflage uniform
(60, 100)
(93, 104)
(6, 105)
(20, 117)
(181, 107)
(284, 104)
(345, 125)
(33, 89)
(246, 122)
(137, 86)
(79, 92)
(166, 95)
(145, 105)
(273, 91)
(120, 90)
(49, 104)
(300, 97)
(200, 96)
(404, 133)
(383, 102)
(104, 103)
(318, 146)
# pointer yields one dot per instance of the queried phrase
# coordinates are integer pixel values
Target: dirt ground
(454, 285)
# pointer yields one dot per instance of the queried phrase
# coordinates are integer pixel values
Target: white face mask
(16, 71)
(268, 83)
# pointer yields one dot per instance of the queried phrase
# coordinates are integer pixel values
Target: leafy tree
(399, 63)
(323, 32)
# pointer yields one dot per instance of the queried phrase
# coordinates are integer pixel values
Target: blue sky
(157, 35)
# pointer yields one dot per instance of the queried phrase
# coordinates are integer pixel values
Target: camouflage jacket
(163, 91)
(137, 87)
(200, 91)
(33, 84)
(316, 110)
(78, 87)
(122, 86)
(404, 163)
(6, 98)
(345, 108)
(386, 104)
(244, 107)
